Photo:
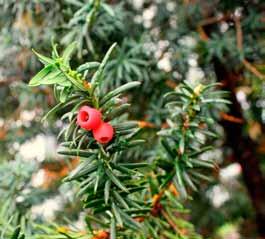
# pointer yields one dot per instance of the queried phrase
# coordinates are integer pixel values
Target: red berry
(88, 118)
(104, 133)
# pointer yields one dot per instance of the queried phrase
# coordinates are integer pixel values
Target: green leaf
(86, 187)
(136, 142)
(201, 151)
(134, 165)
(76, 152)
(179, 180)
(125, 126)
(75, 82)
(202, 163)
(108, 9)
(96, 220)
(82, 169)
(112, 229)
(75, 2)
(187, 87)
(94, 203)
(98, 175)
(16, 233)
(209, 101)
(118, 91)
(188, 181)
(54, 49)
(56, 77)
(138, 211)
(182, 144)
(116, 181)
(116, 112)
(38, 78)
(70, 129)
(170, 235)
(52, 111)
(22, 236)
(120, 200)
(88, 66)
(209, 86)
(200, 176)
(107, 191)
(70, 101)
(129, 221)
(122, 169)
(95, 81)
(117, 214)
(175, 95)
(64, 94)
(168, 179)
(218, 93)
(45, 60)
(68, 53)
(168, 149)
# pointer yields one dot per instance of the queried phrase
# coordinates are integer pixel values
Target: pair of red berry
(90, 119)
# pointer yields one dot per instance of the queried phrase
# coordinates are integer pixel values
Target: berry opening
(104, 139)
(84, 116)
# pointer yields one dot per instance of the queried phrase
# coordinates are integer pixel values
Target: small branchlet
(191, 125)
(107, 186)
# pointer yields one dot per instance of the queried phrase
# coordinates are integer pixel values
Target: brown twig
(145, 124)
(168, 219)
(231, 118)
(171, 84)
(253, 69)
(202, 33)
(239, 33)
(215, 19)
(156, 206)
(239, 38)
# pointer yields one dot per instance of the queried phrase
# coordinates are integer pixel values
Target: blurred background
(164, 42)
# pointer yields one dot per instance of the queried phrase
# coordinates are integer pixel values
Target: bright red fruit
(104, 133)
(88, 118)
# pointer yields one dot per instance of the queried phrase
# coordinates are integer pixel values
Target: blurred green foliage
(160, 44)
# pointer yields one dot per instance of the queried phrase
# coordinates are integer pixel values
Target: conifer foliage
(110, 187)
(137, 130)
